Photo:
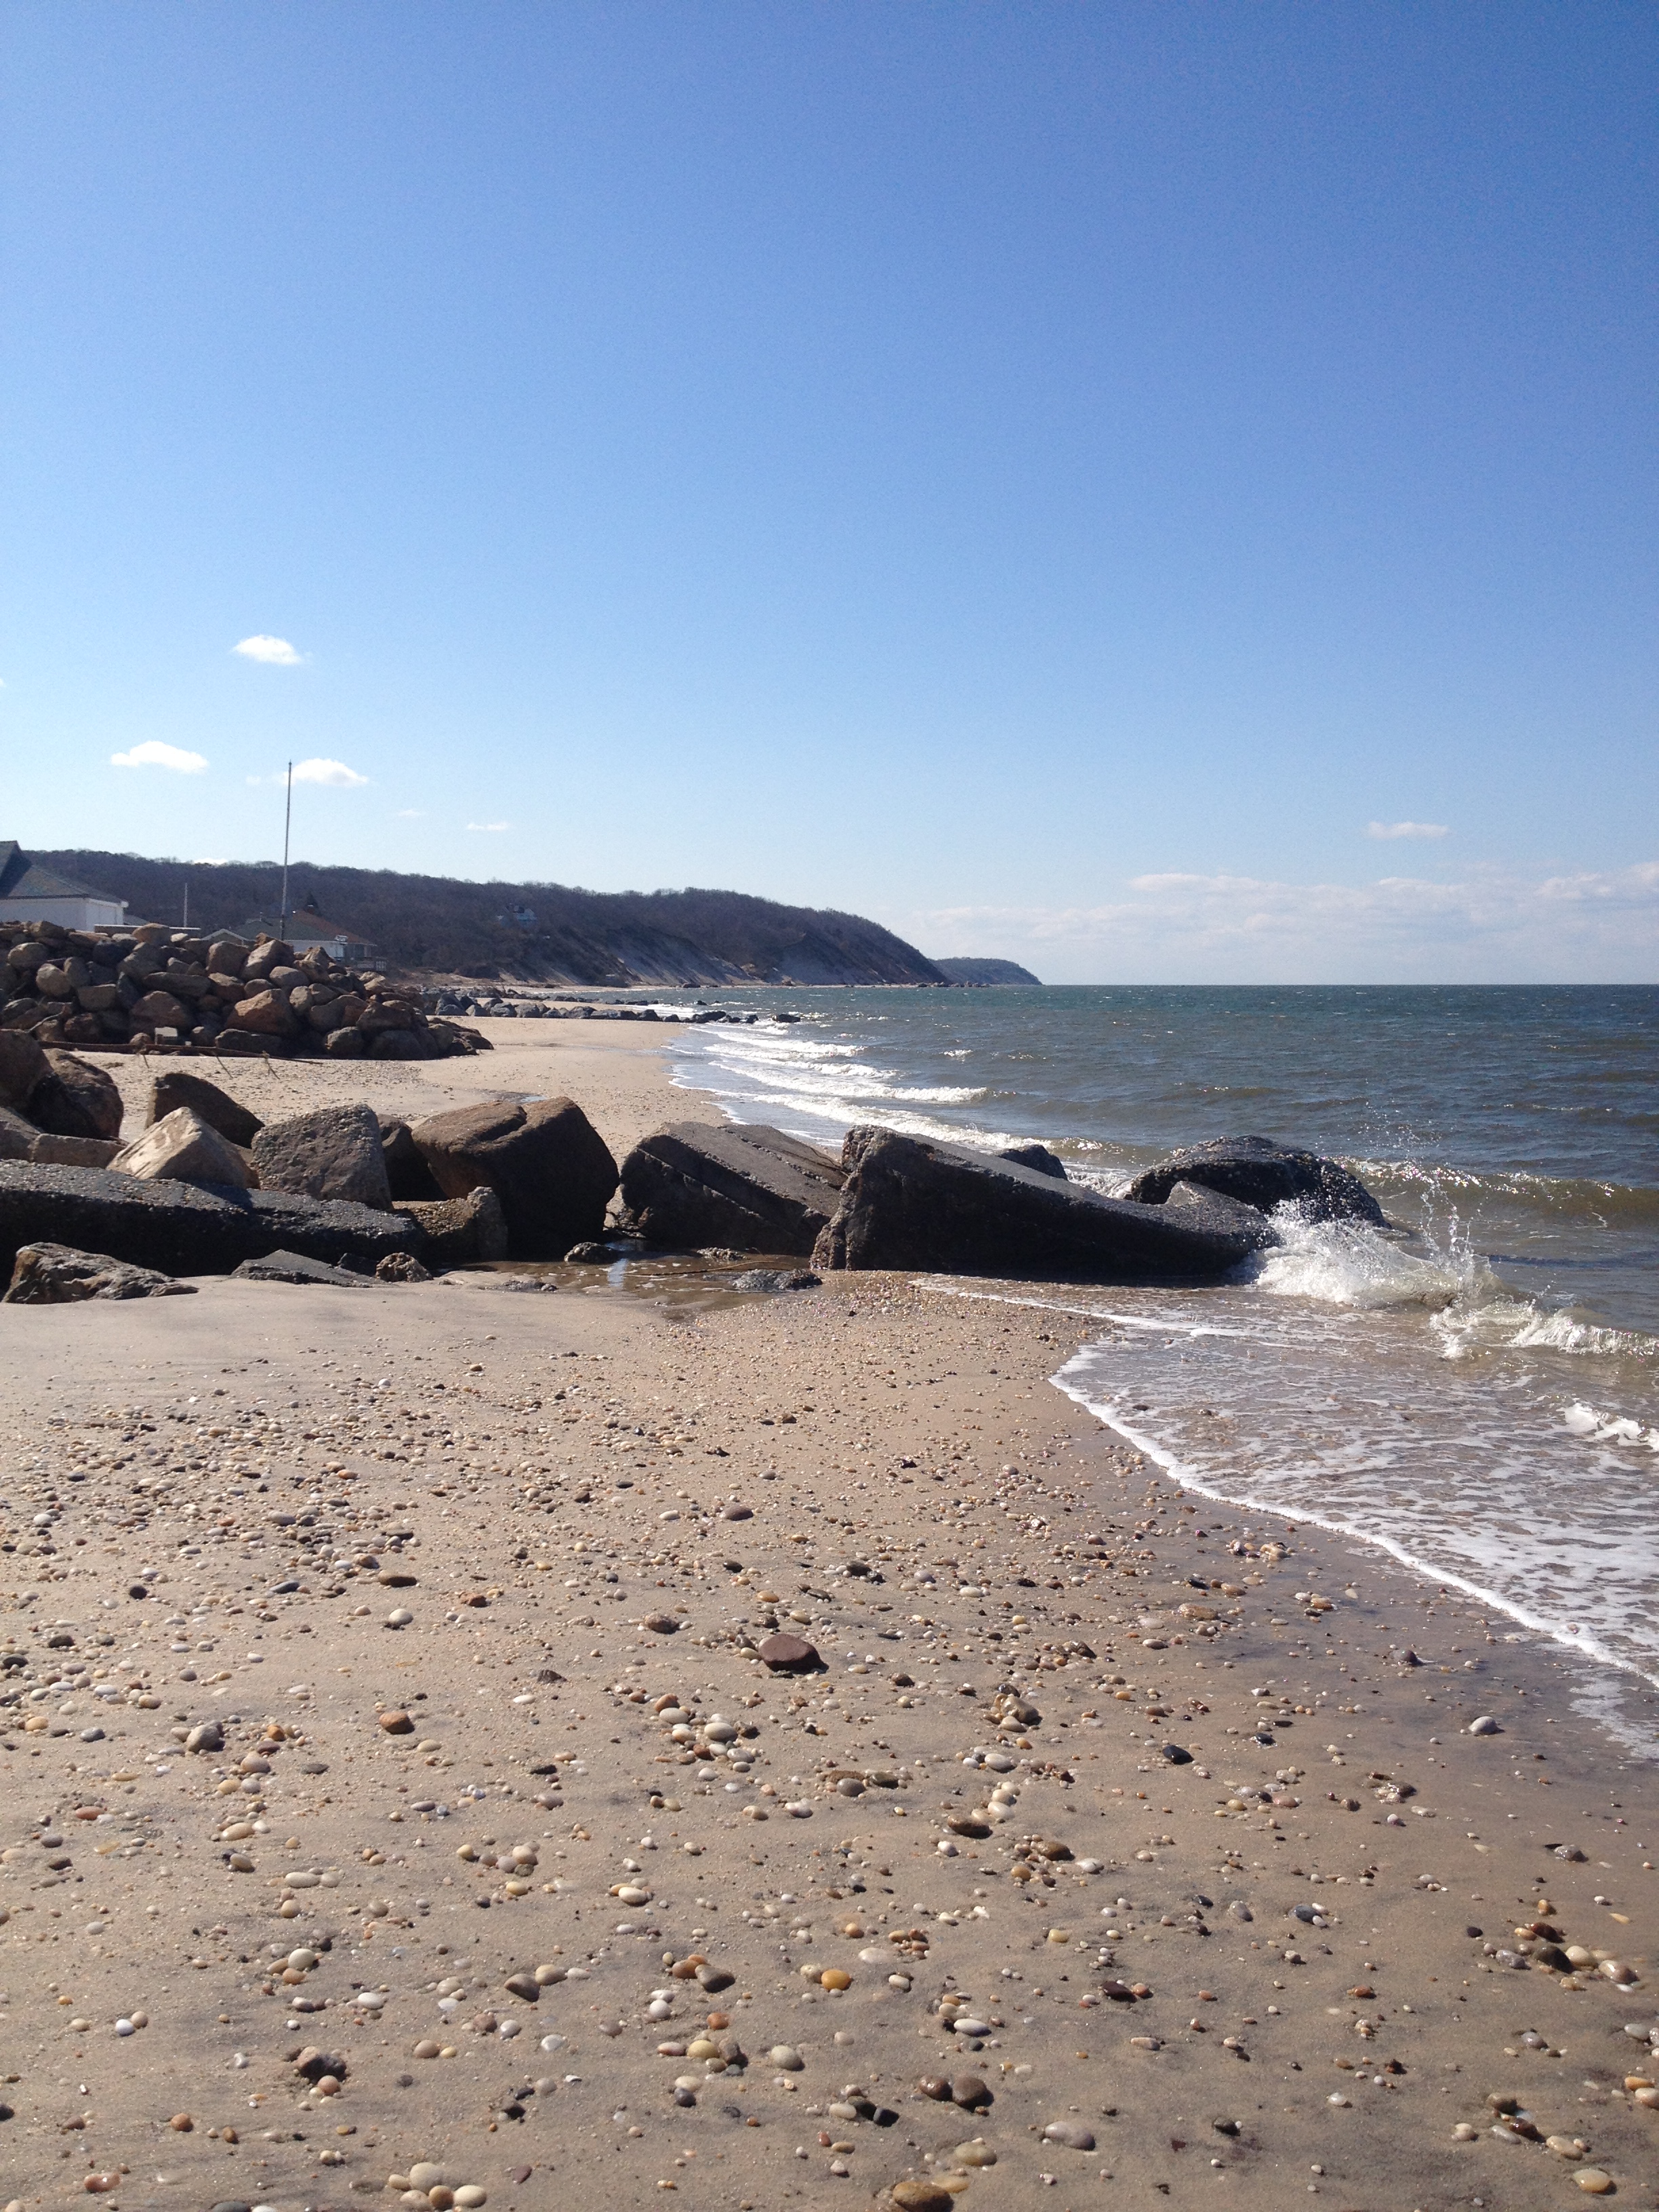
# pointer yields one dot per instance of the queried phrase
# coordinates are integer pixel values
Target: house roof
(22, 878)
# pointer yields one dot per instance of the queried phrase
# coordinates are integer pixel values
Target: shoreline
(877, 1430)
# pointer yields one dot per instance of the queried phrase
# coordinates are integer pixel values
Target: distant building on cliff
(307, 928)
(29, 892)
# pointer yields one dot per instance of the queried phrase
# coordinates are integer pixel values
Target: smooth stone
(784, 1650)
(1070, 2133)
(1485, 1726)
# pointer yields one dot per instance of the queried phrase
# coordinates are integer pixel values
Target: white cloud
(410, 814)
(1406, 830)
(1498, 926)
(495, 826)
(333, 773)
(153, 754)
(210, 863)
(274, 651)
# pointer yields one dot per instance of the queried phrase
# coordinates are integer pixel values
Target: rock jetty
(152, 988)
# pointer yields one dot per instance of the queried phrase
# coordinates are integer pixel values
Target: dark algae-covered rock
(1261, 1173)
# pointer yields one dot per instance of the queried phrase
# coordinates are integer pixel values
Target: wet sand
(1245, 1977)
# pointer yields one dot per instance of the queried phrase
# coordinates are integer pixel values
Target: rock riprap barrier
(745, 1187)
(155, 988)
(908, 1202)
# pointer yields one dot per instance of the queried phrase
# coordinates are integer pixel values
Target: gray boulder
(57, 1275)
(181, 1147)
(911, 1203)
(296, 1267)
(185, 1229)
(1261, 1173)
(333, 1151)
(545, 1161)
(1193, 1202)
(216, 1107)
(749, 1189)
(459, 1232)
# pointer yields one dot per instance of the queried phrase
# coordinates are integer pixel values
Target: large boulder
(216, 1107)
(333, 1151)
(181, 1147)
(1261, 1173)
(459, 1232)
(57, 1275)
(17, 1136)
(748, 1187)
(908, 1202)
(182, 1228)
(266, 1013)
(21, 1141)
(545, 1162)
(406, 1171)
(74, 1098)
(1038, 1157)
(22, 1064)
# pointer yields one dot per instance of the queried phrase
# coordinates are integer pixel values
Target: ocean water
(1474, 1390)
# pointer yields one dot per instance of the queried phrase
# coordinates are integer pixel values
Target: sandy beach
(395, 1804)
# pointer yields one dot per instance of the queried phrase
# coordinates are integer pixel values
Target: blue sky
(1058, 478)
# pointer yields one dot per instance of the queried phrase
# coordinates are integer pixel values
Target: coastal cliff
(543, 932)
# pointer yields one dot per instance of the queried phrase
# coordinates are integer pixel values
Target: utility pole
(287, 817)
(186, 923)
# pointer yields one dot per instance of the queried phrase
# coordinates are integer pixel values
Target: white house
(29, 892)
(307, 929)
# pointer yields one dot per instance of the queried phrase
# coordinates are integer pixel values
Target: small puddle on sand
(679, 1282)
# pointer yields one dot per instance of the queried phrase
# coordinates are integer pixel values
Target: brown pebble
(921, 2196)
(182, 2122)
(784, 1650)
(934, 2086)
(397, 1723)
(968, 2091)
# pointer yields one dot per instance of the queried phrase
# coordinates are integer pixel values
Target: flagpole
(287, 817)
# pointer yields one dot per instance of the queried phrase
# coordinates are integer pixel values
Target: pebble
(921, 2196)
(835, 1978)
(1072, 2134)
(1484, 1726)
(397, 1723)
(784, 1650)
(399, 1617)
(786, 2056)
(1593, 2181)
(975, 2154)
